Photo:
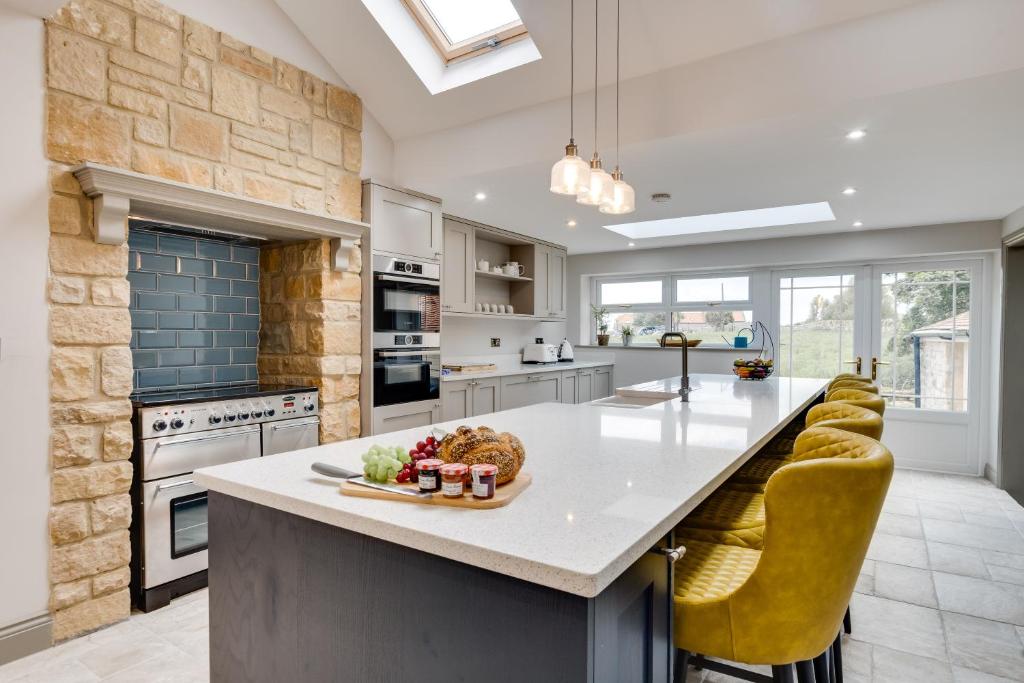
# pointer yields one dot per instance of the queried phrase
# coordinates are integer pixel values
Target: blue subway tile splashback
(194, 309)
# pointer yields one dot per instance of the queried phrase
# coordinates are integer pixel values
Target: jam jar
(428, 474)
(453, 476)
(483, 477)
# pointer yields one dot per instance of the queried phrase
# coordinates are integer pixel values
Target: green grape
(366, 457)
(403, 457)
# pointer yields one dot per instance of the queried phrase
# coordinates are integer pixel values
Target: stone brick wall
(310, 330)
(133, 84)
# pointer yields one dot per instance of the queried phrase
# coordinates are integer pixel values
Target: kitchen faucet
(684, 379)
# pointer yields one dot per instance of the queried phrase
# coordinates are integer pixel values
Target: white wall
(1013, 222)
(263, 24)
(24, 348)
(461, 337)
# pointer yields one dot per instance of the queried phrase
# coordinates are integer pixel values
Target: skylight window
(460, 29)
(733, 220)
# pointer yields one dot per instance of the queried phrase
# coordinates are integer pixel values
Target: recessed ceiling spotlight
(661, 197)
(631, 245)
(849, 191)
(857, 224)
(571, 223)
(857, 134)
(480, 196)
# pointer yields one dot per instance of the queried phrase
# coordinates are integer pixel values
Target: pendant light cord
(618, 30)
(597, 4)
(572, 65)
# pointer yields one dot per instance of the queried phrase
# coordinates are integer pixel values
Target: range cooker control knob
(215, 419)
(309, 407)
(257, 411)
(159, 426)
(243, 414)
(229, 417)
(269, 412)
(177, 423)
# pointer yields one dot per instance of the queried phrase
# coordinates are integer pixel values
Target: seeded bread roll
(483, 445)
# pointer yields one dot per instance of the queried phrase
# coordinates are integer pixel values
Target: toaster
(540, 353)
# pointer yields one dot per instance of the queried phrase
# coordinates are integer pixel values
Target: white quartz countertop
(506, 369)
(608, 481)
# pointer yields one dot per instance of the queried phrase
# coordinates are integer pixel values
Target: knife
(341, 473)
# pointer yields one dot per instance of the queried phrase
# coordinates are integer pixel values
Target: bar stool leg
(821, 668)
(681, 665)
(782, 673)
(830, 656)
(847, 622)
(805, 671)
(837, 657)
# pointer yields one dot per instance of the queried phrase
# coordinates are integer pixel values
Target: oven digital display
(289, 404)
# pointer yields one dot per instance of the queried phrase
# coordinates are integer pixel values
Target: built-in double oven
(406, 331)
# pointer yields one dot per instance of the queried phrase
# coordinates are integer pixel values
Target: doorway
(1011, 424)
(909, 327)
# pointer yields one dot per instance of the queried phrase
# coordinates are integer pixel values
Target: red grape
(402, 476)
(431, 440)
(420, 445)
(414, 476)
(412, 452)
(429, 450)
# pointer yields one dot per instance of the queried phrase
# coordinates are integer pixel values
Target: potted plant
(600, 315)
(627, 335)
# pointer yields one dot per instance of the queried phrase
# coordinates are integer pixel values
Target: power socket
(495, 342)
(538, 340)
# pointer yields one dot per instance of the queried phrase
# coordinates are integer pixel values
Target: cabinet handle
(672, 554)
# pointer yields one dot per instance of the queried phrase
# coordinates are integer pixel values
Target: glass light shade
(598, 190)
(622, 200)
(569, 174)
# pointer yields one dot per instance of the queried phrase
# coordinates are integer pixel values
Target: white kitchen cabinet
(602, 383)
(403, 222)
(470, 397)
(458, 280)
(585, 385)
(570, 386)
(549, 282)
(524, 390)
(406, 416)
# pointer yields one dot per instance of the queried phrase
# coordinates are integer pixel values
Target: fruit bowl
(756, 369)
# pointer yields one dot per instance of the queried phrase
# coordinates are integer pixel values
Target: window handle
(874, 366)
(858, 361)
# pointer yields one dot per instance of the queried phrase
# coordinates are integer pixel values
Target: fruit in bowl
(756, 368)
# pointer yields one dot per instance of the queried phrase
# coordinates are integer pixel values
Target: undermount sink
(630, 401)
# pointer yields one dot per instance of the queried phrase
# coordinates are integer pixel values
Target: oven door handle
(404, 354)
(214, 437)
(410, 280)
(164, 487)
(311, 423)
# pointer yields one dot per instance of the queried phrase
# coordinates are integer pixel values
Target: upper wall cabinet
(458, 280)
(402, 222)
(534, 287)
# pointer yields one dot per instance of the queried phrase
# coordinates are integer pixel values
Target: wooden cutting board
(503, 494)
(471, 367)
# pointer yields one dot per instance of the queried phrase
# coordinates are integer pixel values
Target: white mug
(514, 269)
(483, 265)
(501, 308)
(496, 270)
(479, 307)
(508, 309)
(489, 308)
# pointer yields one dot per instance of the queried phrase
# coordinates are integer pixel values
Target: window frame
(468, 48)
(668, 304)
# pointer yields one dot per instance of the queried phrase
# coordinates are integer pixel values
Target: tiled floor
(941, 598)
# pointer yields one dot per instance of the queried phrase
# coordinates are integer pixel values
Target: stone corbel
(341, 253)
(110, 218)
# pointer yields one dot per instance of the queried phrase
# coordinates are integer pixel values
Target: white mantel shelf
(119, 194)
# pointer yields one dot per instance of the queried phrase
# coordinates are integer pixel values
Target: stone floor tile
(899, 525)
(54, 671)
(900, 505)
(956, 559)
(973, 536)
(898, 550)
(865, 584)
(999, 521)
(112, 657)
(1006, 574)
(963, 675)
(1003, 559)
(857, 657)
(988, 646)
(893, 665)
(906, 584)
(979, 598)
(898, 625)
(174, 667)
(946, 511)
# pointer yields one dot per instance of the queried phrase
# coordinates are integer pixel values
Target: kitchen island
(567, 583)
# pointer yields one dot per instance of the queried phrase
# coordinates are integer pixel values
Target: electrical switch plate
(495, 341)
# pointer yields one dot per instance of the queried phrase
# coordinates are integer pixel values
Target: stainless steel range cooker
(179, 432)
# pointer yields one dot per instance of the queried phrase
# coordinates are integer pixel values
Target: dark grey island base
(297, 600)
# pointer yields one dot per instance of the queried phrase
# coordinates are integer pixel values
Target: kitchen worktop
(516, 367)
(608, 480)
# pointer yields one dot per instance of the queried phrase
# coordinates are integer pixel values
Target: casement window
(460, 29)
(712, 308)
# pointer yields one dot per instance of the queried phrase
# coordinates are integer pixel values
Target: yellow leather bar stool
(734, 514)
(783, 605)
(845, 416)
(853, 384)
(864, 399)
(850, 376)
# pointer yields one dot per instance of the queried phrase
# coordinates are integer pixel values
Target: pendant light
(599, 186)
(622, 199)
(571, 172)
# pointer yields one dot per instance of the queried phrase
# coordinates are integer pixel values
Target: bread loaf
(483, 445)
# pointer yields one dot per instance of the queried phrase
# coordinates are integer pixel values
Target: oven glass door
(406, 304)
(175, 528)
(189, 529)
(404, 376)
